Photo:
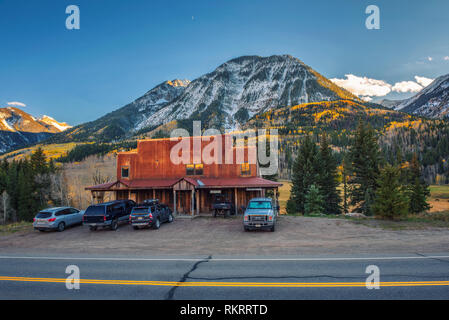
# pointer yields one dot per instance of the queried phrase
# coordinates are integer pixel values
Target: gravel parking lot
(205, 235)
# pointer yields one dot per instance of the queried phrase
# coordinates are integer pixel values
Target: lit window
(246, 170)
(125, 172)
(194, 169)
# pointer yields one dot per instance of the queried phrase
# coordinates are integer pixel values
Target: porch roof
(239, 182)
(198, 182)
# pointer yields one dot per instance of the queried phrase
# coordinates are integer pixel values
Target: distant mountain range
(431, 102)
(227, 98)
(18, 128)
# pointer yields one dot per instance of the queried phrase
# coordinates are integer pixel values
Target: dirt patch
(294, 235)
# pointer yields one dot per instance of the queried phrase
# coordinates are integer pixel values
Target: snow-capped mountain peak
(18, 128)
(432, 101)
(245, 86)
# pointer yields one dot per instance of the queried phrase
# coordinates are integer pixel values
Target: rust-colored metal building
(222, 167)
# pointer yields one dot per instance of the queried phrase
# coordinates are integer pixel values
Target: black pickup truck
(222, 206)
(108, 214)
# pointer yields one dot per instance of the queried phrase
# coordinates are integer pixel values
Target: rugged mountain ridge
(245, 86)
(225, 98)
(18, 128)
(431, 102)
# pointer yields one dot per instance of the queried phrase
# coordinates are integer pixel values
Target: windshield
(259, 205)
(43, 215)
(141, 210)
(94, 210)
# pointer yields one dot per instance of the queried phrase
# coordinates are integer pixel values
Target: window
(246, 169)
(43, 215)
(199, 169)
(125, 172)
(194, 169)
(259, 205)
(190, 170)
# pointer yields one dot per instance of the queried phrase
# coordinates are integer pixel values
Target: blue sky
(125, 48)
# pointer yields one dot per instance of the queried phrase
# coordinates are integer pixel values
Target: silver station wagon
(57, 218)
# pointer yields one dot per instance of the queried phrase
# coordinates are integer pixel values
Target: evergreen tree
(391, 199)
(365, 161)
(305, 173)
(418, 190)
(345, 173)
(328, 177)
(314, 201)
(39, 162)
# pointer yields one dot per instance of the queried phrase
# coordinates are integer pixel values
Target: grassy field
(15, 227)
(439, 197)
(51, 151)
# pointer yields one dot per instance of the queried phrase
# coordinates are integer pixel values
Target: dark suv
(151, 213)
(108, 214)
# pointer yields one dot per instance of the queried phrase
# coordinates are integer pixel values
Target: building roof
(152, 183)
(200, 183)
(250, 182)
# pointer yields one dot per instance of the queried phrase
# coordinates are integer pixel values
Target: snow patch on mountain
(61, 126)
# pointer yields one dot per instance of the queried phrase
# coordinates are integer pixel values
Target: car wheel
(61, 226)
(135, 227)
(272, 229)
(157, 224)
(215, 213)
(114, 225)
(170, 218)
(92, 228)
(245, 228)
(41, 230)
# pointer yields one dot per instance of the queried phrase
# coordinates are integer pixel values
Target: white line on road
(225, 259)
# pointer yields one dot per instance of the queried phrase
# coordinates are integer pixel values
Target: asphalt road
(410, 276)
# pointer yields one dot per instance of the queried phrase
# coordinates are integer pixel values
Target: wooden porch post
(154, 194)
(174, 202)
(197, 202)
(276, 200)
(235, 201)
(191, 203)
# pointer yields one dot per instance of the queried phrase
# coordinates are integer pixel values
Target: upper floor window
(199, 169)
(245, 169)
(194, 169)
(190, 170)
(125, 172)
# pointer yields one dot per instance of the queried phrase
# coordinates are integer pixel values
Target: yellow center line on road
(232, 284)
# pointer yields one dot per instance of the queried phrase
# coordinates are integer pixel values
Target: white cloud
(16, 104)
(367, 99)
(363, 86)
(366, 88)
(446, 58)
(407, 86)
(423, 81)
